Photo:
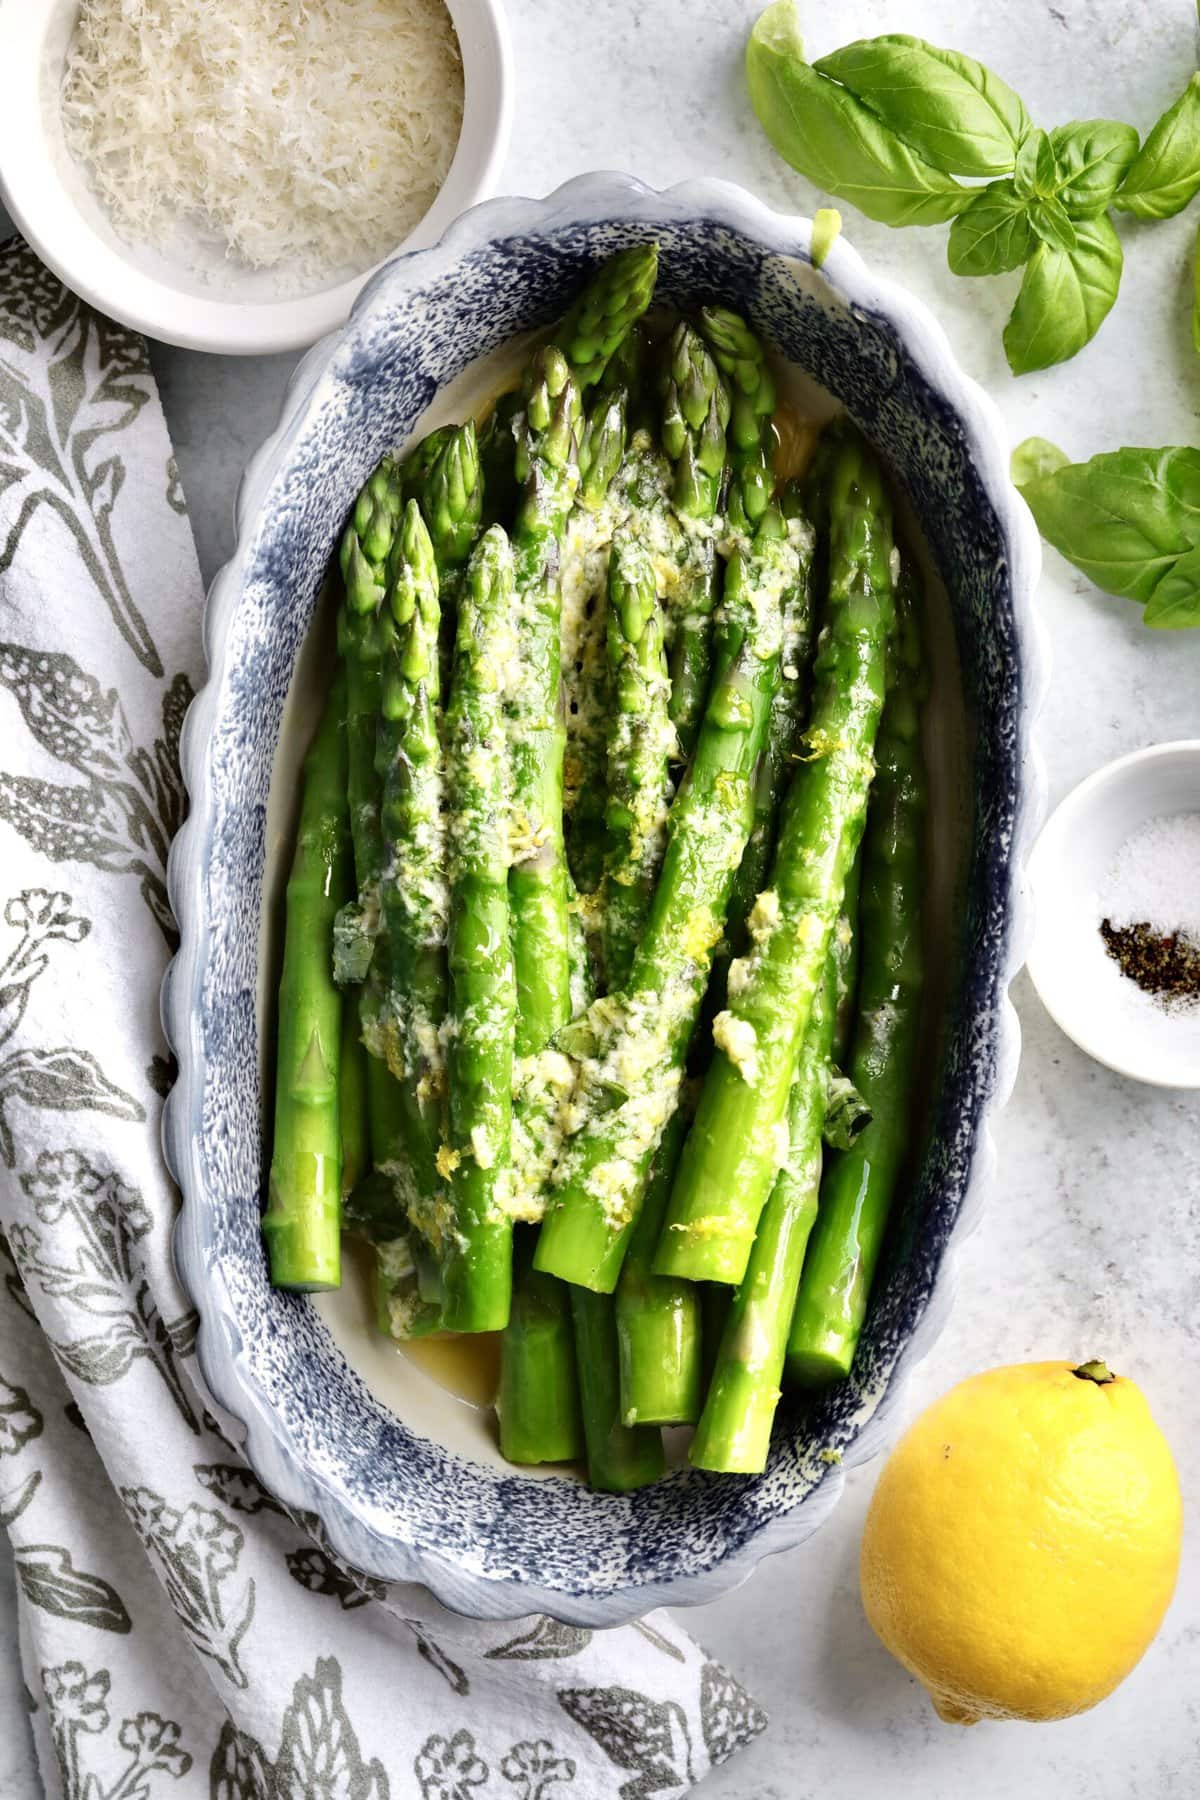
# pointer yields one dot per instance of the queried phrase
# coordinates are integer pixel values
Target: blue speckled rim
(855, 1424)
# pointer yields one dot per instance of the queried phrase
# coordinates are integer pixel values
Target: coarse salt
(1154, 879)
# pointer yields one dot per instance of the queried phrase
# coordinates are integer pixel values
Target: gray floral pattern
(319, 1753)
(196, 1551)
(649, 1738)
(77, 1707)
(320, 1574)
(534, 1768)
(126, 802)
(50, 1580)
(546, 1638)
(450, 1768)
(100, 1275)
(62, 1079)
(70, 383)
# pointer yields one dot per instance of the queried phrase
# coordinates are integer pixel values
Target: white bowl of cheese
(271, 265)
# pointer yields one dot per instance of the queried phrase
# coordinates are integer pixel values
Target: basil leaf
(1034, 458)
(1035, 172)
(1176, 600)
(1093, 157)
(957, 114)
(1125, 518)
(993, 234)
(1065, 297)
(829, 136)
(1049, 219)
(1166, 171)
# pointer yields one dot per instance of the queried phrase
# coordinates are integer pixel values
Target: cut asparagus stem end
(305, 1245)
(826, 1359)
(580, 1247)
(660, 1362)
(704, 1250)
(744, 1449)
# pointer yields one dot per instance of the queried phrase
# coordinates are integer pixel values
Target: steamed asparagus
(857, 1193)
(302, 1222)
(477, 1254)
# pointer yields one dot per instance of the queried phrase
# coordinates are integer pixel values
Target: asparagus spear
(659, 1333)
(619, 1456)
(477, 1256)
(584, 665)
(540, 1419)
(420, 459)
(497, 459)
(629, 1086)
(539, 1391)
(857, 1192)
(452, 498)
(742, 360)
(715, 1302)
(730, 1158)
(609, 306)
(734, 1433)
(401, 1312)
(694, 421)
(365, 547)
(602, 347)
(640, 742)
(536, 735)
(846, 951)
(414, 885)
(359, 952)
(789, 710)
(353, 1113)
(302, 1222)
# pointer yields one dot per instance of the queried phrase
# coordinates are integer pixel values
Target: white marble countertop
(1091, 1241)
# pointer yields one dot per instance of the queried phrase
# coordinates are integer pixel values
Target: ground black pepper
(1166, 965)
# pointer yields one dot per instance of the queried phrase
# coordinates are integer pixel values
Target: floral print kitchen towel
(182, 1635)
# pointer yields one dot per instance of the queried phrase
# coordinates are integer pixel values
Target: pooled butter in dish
(314, 135)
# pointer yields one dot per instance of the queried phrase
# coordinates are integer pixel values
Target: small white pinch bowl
(183, 290)
(1079, 983)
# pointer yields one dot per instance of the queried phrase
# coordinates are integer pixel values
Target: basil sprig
(1130, 520)
(1166, 172)
(893, 124)
(830, 136)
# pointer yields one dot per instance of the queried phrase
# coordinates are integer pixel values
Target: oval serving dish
(394, 1500)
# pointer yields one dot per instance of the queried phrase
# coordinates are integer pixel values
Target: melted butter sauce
(467, 1367)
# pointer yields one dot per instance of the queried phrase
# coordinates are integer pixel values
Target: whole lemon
(1023, 1542)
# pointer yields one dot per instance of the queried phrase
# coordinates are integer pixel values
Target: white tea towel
(181, 1634)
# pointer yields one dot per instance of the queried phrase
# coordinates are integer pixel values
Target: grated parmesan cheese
(313, 133)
